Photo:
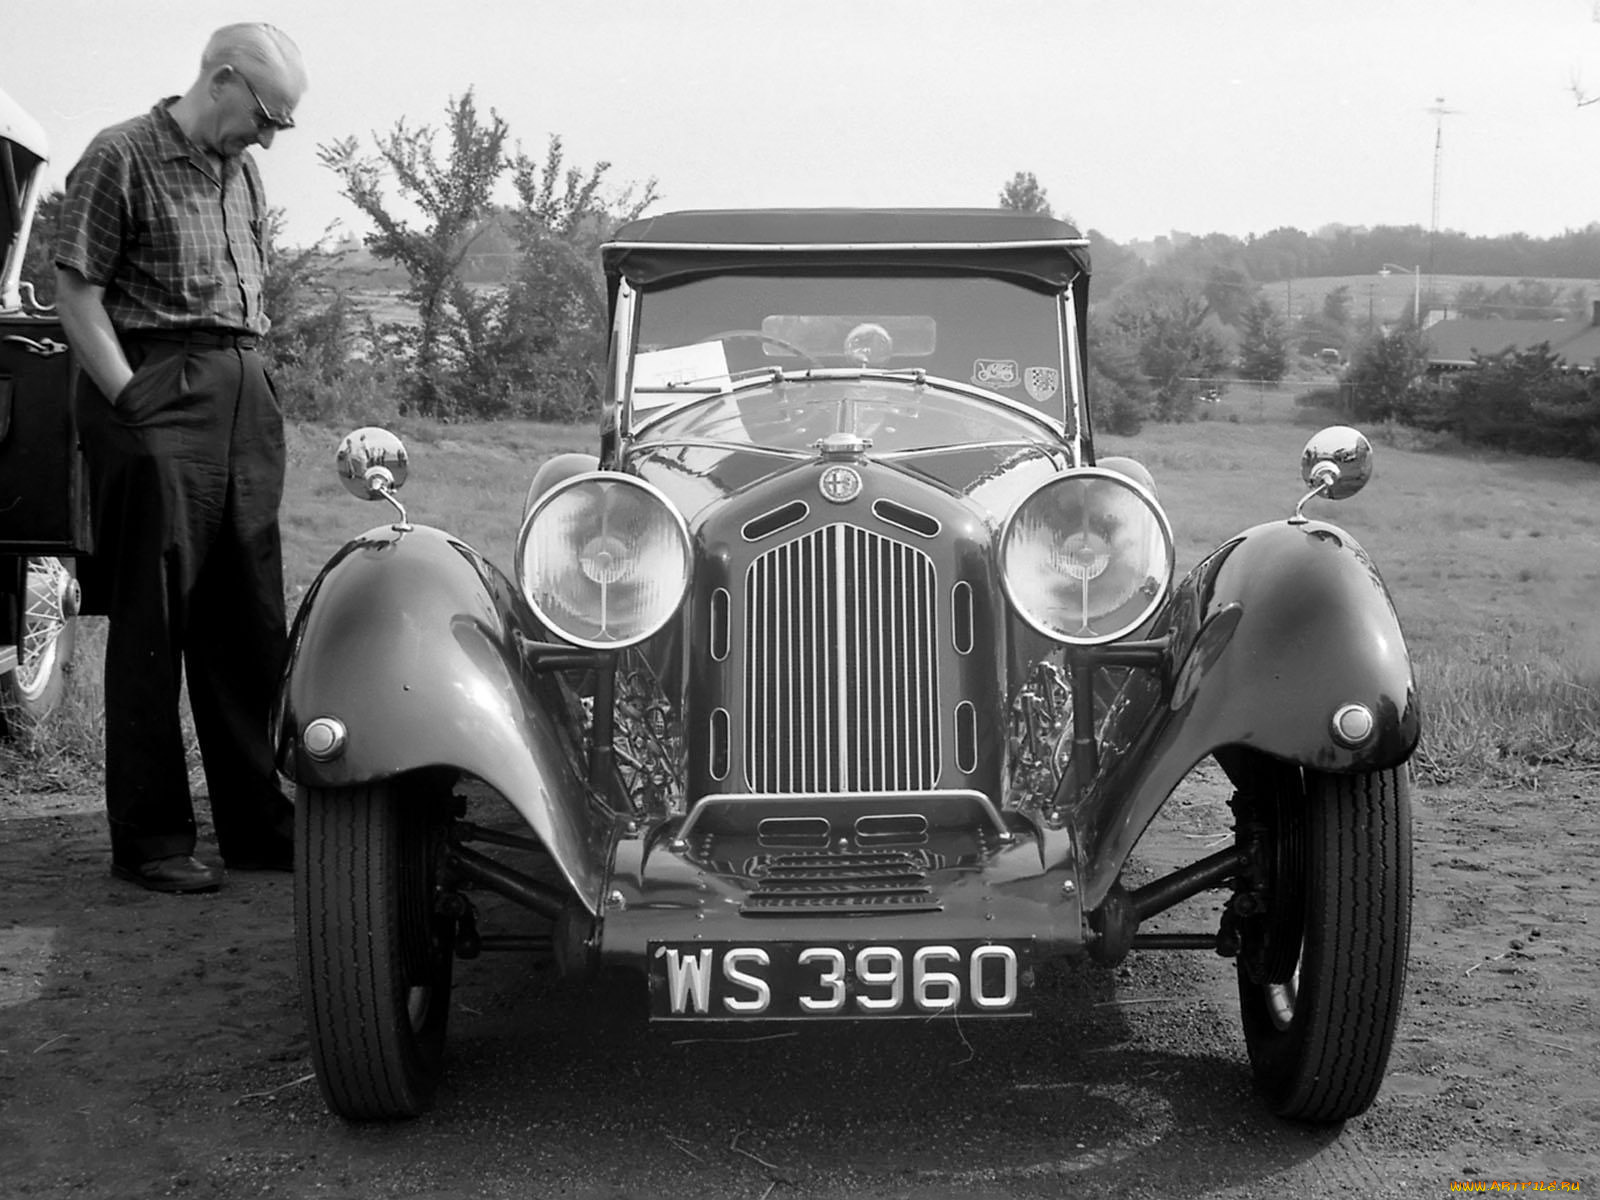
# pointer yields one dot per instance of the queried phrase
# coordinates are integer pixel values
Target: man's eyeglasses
(266, 119)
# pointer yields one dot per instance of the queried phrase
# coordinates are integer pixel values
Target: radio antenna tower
(1440, 112)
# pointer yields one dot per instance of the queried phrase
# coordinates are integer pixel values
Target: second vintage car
(842, 680)
(44, 510)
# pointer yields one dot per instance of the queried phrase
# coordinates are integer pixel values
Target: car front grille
(841, 681)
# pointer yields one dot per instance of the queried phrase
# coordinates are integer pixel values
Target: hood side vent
(919, 523)
(775, 521)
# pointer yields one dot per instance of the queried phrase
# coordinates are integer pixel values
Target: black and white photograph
(907, 600)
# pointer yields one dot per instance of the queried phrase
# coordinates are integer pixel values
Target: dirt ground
(153, 1046)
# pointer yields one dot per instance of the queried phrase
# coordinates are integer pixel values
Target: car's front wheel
(1322, 973)
(375, 951)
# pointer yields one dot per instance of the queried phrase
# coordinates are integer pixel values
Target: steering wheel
(765, 339)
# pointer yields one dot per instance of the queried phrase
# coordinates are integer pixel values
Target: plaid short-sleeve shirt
(147, 217)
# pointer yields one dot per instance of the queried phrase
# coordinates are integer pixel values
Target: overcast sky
(1138, 116)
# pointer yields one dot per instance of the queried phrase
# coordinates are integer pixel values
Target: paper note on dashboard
(703, 365)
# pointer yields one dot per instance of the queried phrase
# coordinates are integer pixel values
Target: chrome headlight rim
(552, 621)
(1024, 611)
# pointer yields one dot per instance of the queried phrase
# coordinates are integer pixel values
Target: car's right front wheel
(1322, 974)
(375, 951)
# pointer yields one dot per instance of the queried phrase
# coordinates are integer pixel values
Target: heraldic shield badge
(1041, 382)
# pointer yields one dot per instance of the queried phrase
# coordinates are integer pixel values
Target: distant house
(1455, 344)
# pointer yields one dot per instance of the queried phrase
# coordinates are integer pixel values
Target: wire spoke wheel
(46, 638)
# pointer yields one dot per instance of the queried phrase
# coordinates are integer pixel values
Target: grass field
(1493, 561)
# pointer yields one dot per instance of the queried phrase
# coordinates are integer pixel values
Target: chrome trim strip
(721, 620)
(798, 509)
(1081, 243)
(962, 629)
(709, 807)
(1075, 381)
(966, 714)
(721, 743)
(714, 444)
(885, 510)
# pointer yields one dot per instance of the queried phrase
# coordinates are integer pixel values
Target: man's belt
(218, 339)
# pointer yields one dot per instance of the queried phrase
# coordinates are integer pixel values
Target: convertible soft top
(1036, 249)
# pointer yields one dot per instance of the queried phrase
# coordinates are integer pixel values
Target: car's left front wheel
(375, 950)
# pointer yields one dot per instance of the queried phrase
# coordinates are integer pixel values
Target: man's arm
(90, 332)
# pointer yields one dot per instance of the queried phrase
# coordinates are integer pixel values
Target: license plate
(721, 981)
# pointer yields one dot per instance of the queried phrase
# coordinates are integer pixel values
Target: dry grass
(1493, 562)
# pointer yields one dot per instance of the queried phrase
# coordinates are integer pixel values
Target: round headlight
(603, 558)
(1086, 557)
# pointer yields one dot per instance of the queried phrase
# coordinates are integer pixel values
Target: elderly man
(159, 269)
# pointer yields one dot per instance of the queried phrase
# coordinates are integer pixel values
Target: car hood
(990, 479)
(953, 439)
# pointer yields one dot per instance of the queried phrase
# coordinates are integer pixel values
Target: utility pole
(1440, 112)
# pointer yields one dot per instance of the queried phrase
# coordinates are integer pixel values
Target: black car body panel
(1269, 635)
(412, 641)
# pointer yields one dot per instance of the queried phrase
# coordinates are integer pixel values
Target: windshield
(985, 332)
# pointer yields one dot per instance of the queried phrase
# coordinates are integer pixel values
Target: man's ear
(219, 76)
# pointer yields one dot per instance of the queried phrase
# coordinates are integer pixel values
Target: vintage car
(43, 493)
(843, 679)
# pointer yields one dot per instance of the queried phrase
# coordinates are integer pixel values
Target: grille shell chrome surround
(841, 686)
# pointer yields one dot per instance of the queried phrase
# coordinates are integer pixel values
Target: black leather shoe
(177, 873)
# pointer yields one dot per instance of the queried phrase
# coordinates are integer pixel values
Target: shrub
(1115, 407)
(358, 392)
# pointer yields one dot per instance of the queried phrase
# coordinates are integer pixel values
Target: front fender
(1269, 635)
(409, 638)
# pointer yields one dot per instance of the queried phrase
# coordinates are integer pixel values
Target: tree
(553, 336)
(1167, 320)
(1525, 400)
(1023, 194)
(453, 197)
(1336, 306)
(39, 258)
(1114, 265)
(1384, 377)
(1120, 398)
(1263, 344)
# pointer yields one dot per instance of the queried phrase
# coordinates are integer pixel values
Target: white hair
(255, 43)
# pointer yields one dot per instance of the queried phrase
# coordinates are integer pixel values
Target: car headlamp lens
(1086, 557)
(603, 558)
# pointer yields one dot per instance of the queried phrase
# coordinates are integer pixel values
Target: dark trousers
(186, 476)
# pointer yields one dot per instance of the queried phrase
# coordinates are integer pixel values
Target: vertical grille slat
(841, 681)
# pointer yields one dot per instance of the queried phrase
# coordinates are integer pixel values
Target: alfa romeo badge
(840, 484)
